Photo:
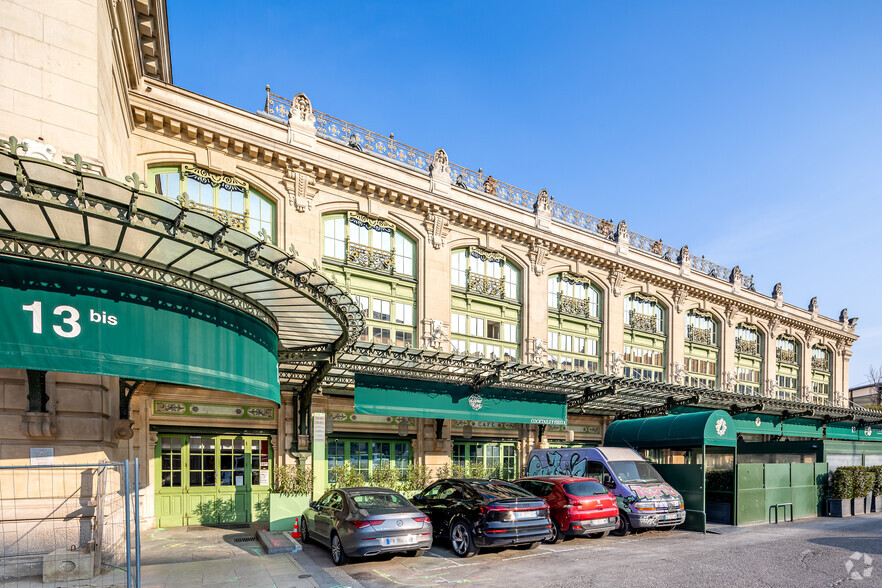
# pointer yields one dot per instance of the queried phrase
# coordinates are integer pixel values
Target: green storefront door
(212, 479)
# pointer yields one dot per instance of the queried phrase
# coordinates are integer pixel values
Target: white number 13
(71, 321)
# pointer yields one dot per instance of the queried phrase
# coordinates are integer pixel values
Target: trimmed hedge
(877, 487)
(843, 484)
(856, 482)
(864, 479)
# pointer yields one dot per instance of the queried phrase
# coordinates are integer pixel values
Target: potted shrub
(414, 480)
(345, 476)
(289, 496)
(841, 491)
(861, 487)
(877, 489)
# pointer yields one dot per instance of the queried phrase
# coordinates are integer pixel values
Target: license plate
(399, 540)
(671, 517)
(525, 514)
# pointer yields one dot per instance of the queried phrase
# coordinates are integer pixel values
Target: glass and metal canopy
(584, 393)
(153, 261)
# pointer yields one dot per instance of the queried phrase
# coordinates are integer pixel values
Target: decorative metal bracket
(840, 419)
(127, 389)
(739, 410)
(37, 397)
(787, 415)
(481, 382)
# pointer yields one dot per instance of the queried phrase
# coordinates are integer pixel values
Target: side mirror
(313, 505)
(609, 483)
(417, 498)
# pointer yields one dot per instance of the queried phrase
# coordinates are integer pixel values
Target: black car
(475, 513)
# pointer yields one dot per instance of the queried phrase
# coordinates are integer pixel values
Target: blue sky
(751, 131)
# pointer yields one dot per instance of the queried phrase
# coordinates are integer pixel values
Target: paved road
(806, 553)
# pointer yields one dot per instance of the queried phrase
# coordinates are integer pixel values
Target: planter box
(285, 510)
(838, 508)
(877, 503)
(868, 502)
(857, 505)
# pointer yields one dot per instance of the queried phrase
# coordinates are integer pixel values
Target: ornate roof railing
(364, 140)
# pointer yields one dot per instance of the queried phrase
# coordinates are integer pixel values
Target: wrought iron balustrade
(575, 306)
(820, 363)
(747, 346)
(786, 355)
(235, 219)
(702, 336)
(350, 135)
(643, 322)
(375, 259)
(487, 285)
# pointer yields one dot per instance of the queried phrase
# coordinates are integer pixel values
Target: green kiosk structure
(699, 454)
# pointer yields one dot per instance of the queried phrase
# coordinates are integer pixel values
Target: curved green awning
(693, 429)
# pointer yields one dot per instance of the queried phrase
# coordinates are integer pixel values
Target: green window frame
(216, 193)
(748, 360)
(574, 326)
(787, 368)
(485, 459)
(483, 272)
(365, 454)
(701, 349)
(374, 244)
(645, 341)
(821, 374)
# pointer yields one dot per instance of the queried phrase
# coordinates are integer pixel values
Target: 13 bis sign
(83, 321)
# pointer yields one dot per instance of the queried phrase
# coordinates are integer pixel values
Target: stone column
(805, 369)
(726, 338)
(534, 318)
(676, 346)
(613, 334)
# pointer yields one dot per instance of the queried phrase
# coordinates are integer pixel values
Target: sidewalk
(211, 556)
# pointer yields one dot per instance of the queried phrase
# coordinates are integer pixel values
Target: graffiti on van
(658, 492)
(556, 465)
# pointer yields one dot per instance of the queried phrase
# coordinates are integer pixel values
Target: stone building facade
(443, 258)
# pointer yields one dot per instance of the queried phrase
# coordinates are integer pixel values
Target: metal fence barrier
(775, 507)
(63, 524)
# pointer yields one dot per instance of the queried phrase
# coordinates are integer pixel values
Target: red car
(579, 506)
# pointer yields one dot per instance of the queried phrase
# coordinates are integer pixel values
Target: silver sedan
(360, 522)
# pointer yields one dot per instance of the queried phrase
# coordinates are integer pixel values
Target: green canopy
(419, 398)
(692, 429)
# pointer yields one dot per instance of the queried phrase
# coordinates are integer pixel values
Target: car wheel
(417, 553)
(598, 535)
(624, 527)
(556, 535)
(528, 546)
(304, 531)
(461, 539)
(337, 554)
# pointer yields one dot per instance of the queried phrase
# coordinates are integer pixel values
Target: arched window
(488, 326)
(644, 338)
(573, 295)
(216, 194)
(787, 372)
(484, 272)
(701, 328)
(644, 313)
(376, 260)
(367, 242)
(574, 327)
(821, 369)
(748, 359)
(701, 352)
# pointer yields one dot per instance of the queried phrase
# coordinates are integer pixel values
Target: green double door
(212, 479)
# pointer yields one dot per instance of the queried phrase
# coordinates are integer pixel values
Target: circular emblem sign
(758, 422)
(476, 402)
(721, 427)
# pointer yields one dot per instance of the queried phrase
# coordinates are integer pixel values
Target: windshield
(635, 472)
(491, 490)
(585, 488)
(380, 501)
